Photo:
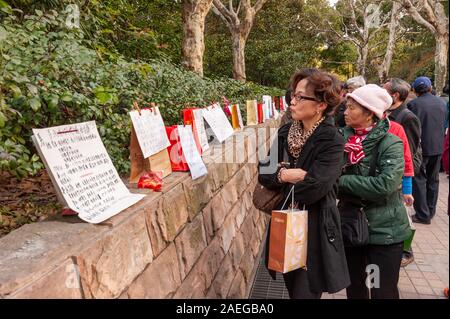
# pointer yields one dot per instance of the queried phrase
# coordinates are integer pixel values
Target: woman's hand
(409, 200)
(293, 175)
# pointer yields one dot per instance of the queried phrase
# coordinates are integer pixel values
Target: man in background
(431, 111)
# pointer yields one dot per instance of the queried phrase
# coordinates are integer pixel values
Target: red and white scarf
(354, 146)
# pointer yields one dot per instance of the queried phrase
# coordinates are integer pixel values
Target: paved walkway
(425, 278)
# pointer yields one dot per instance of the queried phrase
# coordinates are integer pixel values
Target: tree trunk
(361, 66)
(440, 62)
(383, 70)
(434, 19)
(193, 45)
(238, 56)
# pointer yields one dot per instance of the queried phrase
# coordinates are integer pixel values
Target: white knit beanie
(373, 98)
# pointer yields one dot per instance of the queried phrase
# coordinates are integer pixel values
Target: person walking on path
(314, 148)
(370, 145)
(431, 111)
(399, 113)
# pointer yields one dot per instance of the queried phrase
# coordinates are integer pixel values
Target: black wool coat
(322, 158)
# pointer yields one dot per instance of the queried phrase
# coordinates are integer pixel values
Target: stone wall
(195, 239)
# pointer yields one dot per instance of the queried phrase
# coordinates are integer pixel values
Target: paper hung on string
(260, 113)
(283, 105)
(199, 129)
(194, 117)
(150, 131)
(236, 117)
(82, 171)
(267, 101)
(218, 122)
(276, 114)
(190, 152)
(252, 112)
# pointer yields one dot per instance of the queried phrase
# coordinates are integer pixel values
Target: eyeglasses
(299, 98)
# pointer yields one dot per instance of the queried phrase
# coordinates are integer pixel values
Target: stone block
(237, 250)
(175, 212)
(154, 217)
(219, 174)
(218, 211)
(240, 216)
(230, 194)
(238, 182)
(31, 252)
(190, 243)
(60, 283)
(160, 279)
(238, 287)
(247, 265)
(222, 282)
(199, 279)
(228, 230)
(255, 241)
(198, 193)
(247, 229)
(112, 262)
(208, 223)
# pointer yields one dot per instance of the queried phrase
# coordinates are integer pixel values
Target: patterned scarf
(354, 146)
(297, 137)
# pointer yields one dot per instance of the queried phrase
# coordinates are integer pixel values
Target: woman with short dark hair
(314, 147)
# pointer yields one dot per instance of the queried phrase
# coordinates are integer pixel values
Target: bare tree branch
(412, 10)
(259, 5)
(224, 18)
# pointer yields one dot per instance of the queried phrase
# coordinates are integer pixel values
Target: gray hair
(399, 86)
(356, 82)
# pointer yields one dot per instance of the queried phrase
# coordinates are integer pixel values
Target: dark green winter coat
(386, 213)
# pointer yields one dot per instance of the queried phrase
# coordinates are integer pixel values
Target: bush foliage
(52, 75)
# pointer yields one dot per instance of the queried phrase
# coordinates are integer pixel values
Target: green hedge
(50, 75)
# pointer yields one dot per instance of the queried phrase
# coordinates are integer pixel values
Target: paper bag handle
(291, 192)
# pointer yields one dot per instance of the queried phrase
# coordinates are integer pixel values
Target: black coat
(411, 125)
(322, 158)
(431, 111)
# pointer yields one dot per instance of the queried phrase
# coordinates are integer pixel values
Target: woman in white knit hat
(374, 220)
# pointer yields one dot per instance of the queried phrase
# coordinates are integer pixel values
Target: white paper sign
(218, 122)
(267, 100)
(83, 172)
(150, 131)
(200, 129)
(190, 152)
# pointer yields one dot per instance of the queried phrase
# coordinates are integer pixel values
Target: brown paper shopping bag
(140, 165)
(288, 238)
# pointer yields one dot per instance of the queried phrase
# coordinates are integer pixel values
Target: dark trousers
(383, 284)
(426, 188)
(297, 284)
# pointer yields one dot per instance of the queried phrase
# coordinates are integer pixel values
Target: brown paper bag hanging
(288, 239)
(140, 165)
